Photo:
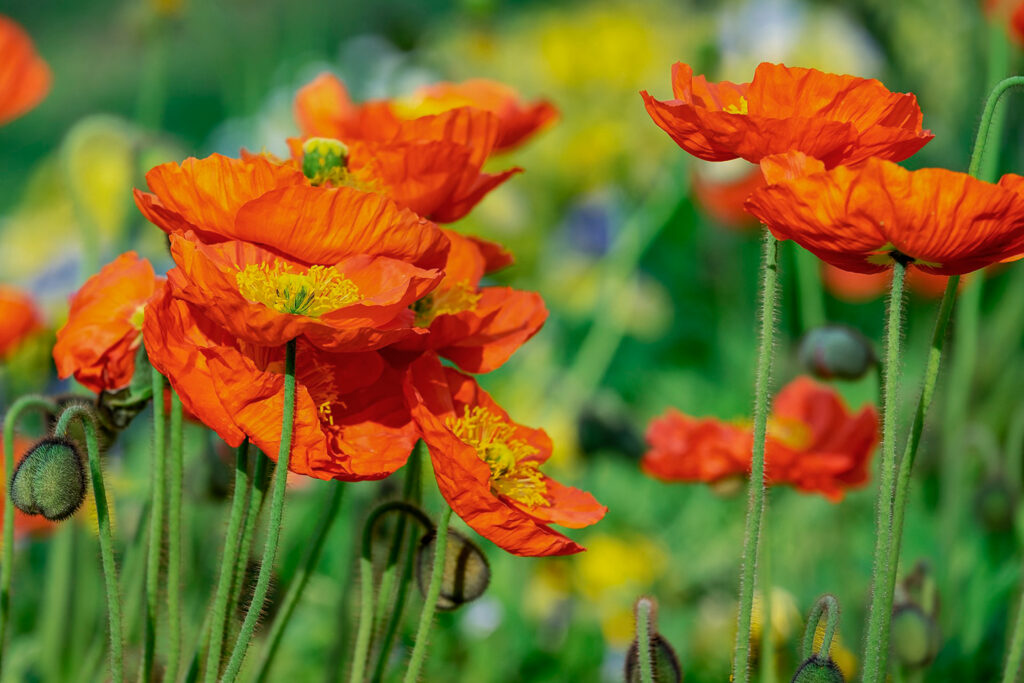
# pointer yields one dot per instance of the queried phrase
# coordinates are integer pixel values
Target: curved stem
(274, 523)
(156, 529)
(306, 568)
(419, 650)
(1001, 88)
(7, 559)
(828, 607)
(755, 502)
(877, 646)
(227, 564)
(643, 640)
(174, 542)
(84, 414)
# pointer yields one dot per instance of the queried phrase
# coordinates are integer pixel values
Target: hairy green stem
(156, 529)
(643, 640)
(306, 568)
(419, 650)
(7, 559)
(826, 606)
(257, 493)
(274, 523)
(877, 645)
(756, 487)
(84, 414)
(174, 541)
(221, 597)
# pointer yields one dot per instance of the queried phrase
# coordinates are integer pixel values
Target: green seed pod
(914, 636)
(818, 669)
(995, 503)
(466, 571)
(324, 159)
(50, 480)
(664, 662)
(836, 351)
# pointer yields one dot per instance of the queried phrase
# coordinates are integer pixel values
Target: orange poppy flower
(860, 287)
(24, 76)
(351, 421)
(862, 218)
(104, 329)
(488, 467)
(838, 119)
(814, 443)
(24, 524)
(19, 318)
(723, 199)
(478, 328)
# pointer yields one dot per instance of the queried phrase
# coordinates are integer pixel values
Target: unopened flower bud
(49, 480)
(466, 571)
(995, 503)
(914, 636)
(324, 159)
(818, 669)
(665, 666)
(836, 351)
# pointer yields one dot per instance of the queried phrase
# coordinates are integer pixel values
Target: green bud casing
(50, 480)
(818, 669)
(836, 352)
(466, 571)
(664, 662)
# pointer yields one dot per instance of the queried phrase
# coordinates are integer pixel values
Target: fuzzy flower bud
(665, 666)
(466, 571)
(818, 669)
(50, 480)
(836, 351)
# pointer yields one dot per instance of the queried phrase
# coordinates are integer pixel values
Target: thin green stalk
(239, 499)
(57, 602)
(809, 288)
(84, 414)
(756, 487)
(156, 529)
(1015, 654)
(274, 523)
(877, 646)
(174, 542)
(306, 568)
(643, 640)
(257, 492)
(766, 664)
(419, 650)
(7, 559)
(826, 606)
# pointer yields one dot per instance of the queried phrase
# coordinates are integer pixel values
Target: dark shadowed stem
(84, 414)
(755, 501)
(274, 523)
(877, 645)
(174, 542)
(257, 494)
(156, 529)
(306, 568)
(419, 650)
(7, 559)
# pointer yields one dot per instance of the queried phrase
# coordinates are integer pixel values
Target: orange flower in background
(838, 119)
(104, 329)
(722, 199)
(488, 467)
(19, 318)
(862, 218)
(24, 76)
(861, 287)
(478, 328)
(814, 443)
(351, 421)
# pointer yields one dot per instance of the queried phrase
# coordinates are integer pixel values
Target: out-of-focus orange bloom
(323, 108)
(814, 443)
(24, 525)
(860, 287)
(1010, 12)
(723, 199)
(478, 328)
(863, 218)
(104, 329)
(838, 119)
(24, 76)
(19, 318)
(488, 467)
(351, 421)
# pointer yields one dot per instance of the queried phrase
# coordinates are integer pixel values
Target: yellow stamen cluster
(512, 474)
(790, 432)
(456, 299)
(740, 108)
(318, 290)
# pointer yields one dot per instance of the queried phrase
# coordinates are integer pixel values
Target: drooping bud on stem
(50, 480)
(818, 667)
(836, 352)
(662, 664)
(466, 571)
(915, 636)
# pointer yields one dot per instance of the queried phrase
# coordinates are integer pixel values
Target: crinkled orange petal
(24, 76)
(683, 448)
(97, 344)
(319, 105)
(19, 318)
(789, 166)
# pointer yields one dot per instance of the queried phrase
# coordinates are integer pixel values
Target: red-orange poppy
(19, 318)
(860, 287)
(723, 199)
(24, 524)
(24, 76)
(351, 421)
(104, 329)
(323, 108)
(836, 118)
(862, 218)
(488, 467)
(814, 443)
(478, 328)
